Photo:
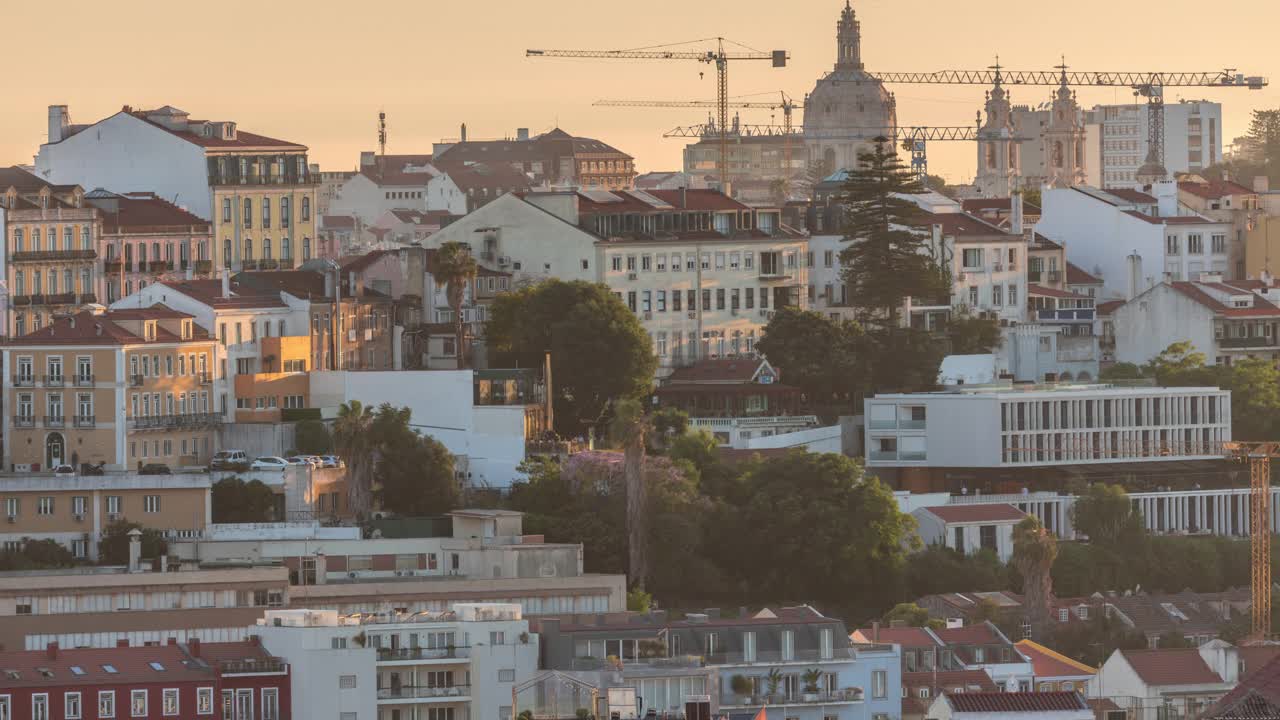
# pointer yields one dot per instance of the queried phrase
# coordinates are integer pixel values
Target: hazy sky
(318, 71)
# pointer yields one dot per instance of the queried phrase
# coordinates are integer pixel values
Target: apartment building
(668, 659)
(257, 191)
(970, 529)
(1239, 205)
(980, 646)
(1192, 139)
(922, 435)
(146, 239)
(455, 664)
(124, 388)
(555, 159)
(240, 680)
(386, 183)
(51, 249)
(1228, 321)
(103, 607)
(988, 266)
(1152, 684)
(279, 383)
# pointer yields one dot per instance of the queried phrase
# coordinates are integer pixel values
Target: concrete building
(1192, 139)
(1011, 706)
(1134, 240)
(452, 665)
(256, 190)
(757, 163)
(145, 240)
(1150, 683)
(552, 159)
(1231, 202)
(1226, 321)
(122, 388)
(979, 647)
(396, 182)
(998, 429)
(51, 254)
(970, 529)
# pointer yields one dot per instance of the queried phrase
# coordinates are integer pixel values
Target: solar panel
(109, 668)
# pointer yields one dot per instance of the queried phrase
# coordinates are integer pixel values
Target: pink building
(145, 240)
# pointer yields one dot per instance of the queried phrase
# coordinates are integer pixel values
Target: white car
(332, 461)
(300, 460)
(269, 463)
(64, 471)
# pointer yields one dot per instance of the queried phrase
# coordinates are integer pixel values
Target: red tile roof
(393, 170)
(979, 634)
(357, 263)
(243, 140)
(338, 222)
(1257, 657)
(1048, 663)
(86, 328)
(1033, 289)
(726, 370)
(1171, 667)
(1108, 307)
(1006, 204)
(144, 212)
(999, 512)
(1023, 702)
(1132, 196)
(949, 680)
(963, 226)
(1261, 307)
(1077, 276)
(904, 636)
(1215, 189)
(1256, 697)
(132, 665)
(209, 292)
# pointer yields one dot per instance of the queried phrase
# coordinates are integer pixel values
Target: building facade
(1192, 139)
(147, 240)
(1226, 321)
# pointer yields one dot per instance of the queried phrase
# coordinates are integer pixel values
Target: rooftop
(139, 212)
(977, 513)
(1214, 189)
(169, 663)
(904, 636)
(90, 328)
(1049, 663)
(1025, 702)
(1077, 276)
(1171, 667)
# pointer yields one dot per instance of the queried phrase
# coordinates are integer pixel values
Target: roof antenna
(382, 134)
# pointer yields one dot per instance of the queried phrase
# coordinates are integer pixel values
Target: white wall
(817, 440)
(1158, 318)
(1100, 237)
(315, 669)
(125, 154)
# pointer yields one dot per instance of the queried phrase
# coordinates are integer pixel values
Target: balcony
(53, 255)
(882, 455)
(55, 421)
(85, 421)
(24, 381)
(249, 265)
(594, 664)
(1239, 343)
(202, 266)
(113, 265)
(774, 657)
(415, 654)
(204, 378)
(775, 274)
(449, 693)
(1053, 276)
(24, 421)
(156, 266)
(822, 697)
(224, 180)
(268, 264)
(60, 299)
(171, 422)
(253, 667)
(84, 380)
(54, 380)
(1067, 315)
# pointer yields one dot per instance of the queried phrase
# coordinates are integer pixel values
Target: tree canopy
(453, 267)
(414, 474)
(599, 350)
(1105, 514)
(313, 438)
(237, 501)
(819, 355)
(113, 547)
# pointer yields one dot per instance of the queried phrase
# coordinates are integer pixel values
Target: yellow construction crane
(1258, 455)
(785, 104)
(717, 56)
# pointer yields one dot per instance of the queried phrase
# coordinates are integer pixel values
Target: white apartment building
(1192, 140)
(454, 665)
(396, 182)
(988, 267)
(1042, 426)
(1227, 321)
(1135, 240)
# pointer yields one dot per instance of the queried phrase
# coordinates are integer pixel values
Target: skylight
(109, 668)
(77, 670)
(157, 667)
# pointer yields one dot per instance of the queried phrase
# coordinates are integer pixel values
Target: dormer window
(186, 329)
(149, 330)
(229, 131)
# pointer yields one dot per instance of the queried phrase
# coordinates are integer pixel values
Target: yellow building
(122, 388)
(284, 382)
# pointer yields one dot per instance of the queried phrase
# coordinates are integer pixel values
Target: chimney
(328, 285)
(1261, 184)
(1135, 275)
(135, 549)
(366, 159)
(875, 631)
(59, 121)
(226, 283)
(51, 651)
(1015, 213)
(464, 132)
(1166, 193)
(194, 647)
(522, 134)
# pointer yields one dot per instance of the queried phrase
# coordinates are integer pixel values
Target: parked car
(300, 460)
(64, 471)
(316, 460)
(331, 461)
(228, 459)
(269, 463)
(155, 469)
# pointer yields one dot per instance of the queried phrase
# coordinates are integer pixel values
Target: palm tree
(354, 440)
(1034, 550)
(628, 429)
(455, 268)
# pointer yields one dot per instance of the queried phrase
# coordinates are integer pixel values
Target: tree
(455, 269)
(1030, 196)
(414, 473)
(113, 547)
(235, 501)
(973, 335)
(1034, 550)
(1106, 515)
(1120, 371)
(629, 428)
(887, 257)
(940, 569)
(1262, 143)
(313, 438)
(600, 353)
(819, 355)
(668, 425)
(1255, 398)
(37, 555)
(355, 442)
(1177, 365)
(909, 614)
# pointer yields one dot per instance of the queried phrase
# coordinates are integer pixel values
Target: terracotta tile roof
(1261, 307)
(1256, 697)
(219, 652)
(143, 212)
(21, 180)
(912, 705)
(132, 665)
(998, 512)
(1048, 663)
(1077, 276)
(911, 637)
(963, 226)
(1215, 189)
(417, 217)
(948, 680)
(87, 328)
(1257, 657)
(1108, 307)
(243, 140)
(619, 202)
(1043, 243)
(209, 292)
(1034, 289)
(1171, 667)
(1132, 196)
(338, 222)
(1024, 702)
(357, 263)
(492, 176)
(394, 170)
(725, 370)
(979, 634)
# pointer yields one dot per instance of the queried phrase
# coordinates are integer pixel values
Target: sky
(319, 71)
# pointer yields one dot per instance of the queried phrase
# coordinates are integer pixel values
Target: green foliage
(1262, 144)
(1254, 384)
(1161, 564)
(453, 268)
(1030, 196)
(639, 601)
(37, 555)
(1121, 371)
(740, 685)
(235, 501)
(113, 548)
(414, 473)
(600, 353)
(904, 359)
(1092, 642)
(909, 614)
(819, 355)
(353, 437)
(973, 335)
(940, 569)
(313, 438)
(1174, 640)
(1105, 514)
(668, 425)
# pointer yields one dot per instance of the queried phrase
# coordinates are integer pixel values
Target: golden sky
(318, 71)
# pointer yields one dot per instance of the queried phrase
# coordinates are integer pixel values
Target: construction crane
(718, 57)
(785, 104)
(1258, 455)
(914, 138)
(1150, 85)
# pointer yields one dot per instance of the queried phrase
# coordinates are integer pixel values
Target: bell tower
(849, 39)
(1064, 138)
(998, 164)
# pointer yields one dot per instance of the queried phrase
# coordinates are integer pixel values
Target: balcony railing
(169, 422)
(24, 421)
(406, 692)
(268, 264)
(249, 667)
(421, 653)
(594, 664)
(157, 266)
(55, 380)
(84, 380)
(1067, 315)
(777, 656)
(202, 266)
(204, 378)
(47, 255)
(85, 421)
(263, 180)
(1249, 342)
(249, 264)
(853, 694)
(24, 381)
(112, 265)
(55, 421)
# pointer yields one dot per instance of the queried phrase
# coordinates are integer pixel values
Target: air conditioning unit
(351, 336)
(632, 276)
(504, 260)
(368, 334)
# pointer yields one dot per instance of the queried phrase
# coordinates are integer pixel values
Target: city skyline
(430, 81)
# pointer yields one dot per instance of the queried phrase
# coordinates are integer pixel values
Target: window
(879, 684)
(150, 503)
(70, 707)
(40, 706)
(138, 703)
(204, 701)
(506, 675)
(1171, 245)
(266, 213)
(1195, 244)
(749, 647)
(1219, 244)
(226, 210)
(346, 682)
(616, 263)
(44, 505)
(972, 258)
(270, 704)
(113, 504)
(169, 701)
(106, 703)
(248, 213)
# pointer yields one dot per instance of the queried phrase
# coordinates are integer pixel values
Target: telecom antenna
(382, 134)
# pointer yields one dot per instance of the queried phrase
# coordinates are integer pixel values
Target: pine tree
(887, 259)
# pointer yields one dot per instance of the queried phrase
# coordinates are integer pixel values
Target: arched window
(266, 248)
(991, 155)
(248, 212)
(1057, 153)
(285, 207)
(248, 249)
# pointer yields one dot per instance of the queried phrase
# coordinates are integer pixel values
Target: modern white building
(1192, 139)
(1131, 239)
(970, 529)
(1226, 321)
(461, 664)
(396, 182)
(1154, 684)
(1039, 426)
